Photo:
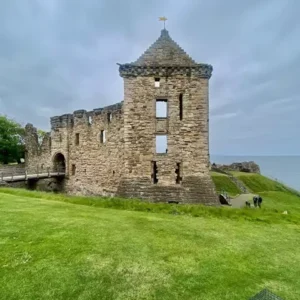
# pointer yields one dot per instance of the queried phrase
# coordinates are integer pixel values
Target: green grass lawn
(223, 183)
(51, 248)
(281, 201)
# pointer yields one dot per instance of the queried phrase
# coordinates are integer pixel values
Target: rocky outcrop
(247, 166)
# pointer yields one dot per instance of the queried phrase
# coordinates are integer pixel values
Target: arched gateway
(59, 162)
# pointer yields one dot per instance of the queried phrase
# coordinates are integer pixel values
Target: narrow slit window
(178, 173)
(109, 117)
(154, 172)
(73, 169)
(50, 142)
(90, 120)
(161, 144)
(60, 138)
(102, 137)
(161, 108)
(180, 107)
(77, 139)
(156, 82)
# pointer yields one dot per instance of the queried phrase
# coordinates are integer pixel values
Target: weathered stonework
(125, 162)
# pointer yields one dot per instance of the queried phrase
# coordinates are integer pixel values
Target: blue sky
(57, 56)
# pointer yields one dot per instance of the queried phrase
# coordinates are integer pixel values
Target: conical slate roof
(164, 52)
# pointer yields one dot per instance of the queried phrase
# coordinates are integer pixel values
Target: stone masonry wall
(98, 165)
(187, 140)
(92, 167)
(37, 157)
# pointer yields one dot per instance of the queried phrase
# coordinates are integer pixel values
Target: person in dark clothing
(259, 201)
(255, 200)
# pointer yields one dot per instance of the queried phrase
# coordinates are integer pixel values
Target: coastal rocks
(249, 167)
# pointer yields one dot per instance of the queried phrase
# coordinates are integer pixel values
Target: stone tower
(166, 132)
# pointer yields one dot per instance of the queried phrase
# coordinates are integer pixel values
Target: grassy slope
(280, 201)
(258, 183)
(223, 183)
(270, 215)
(56, 250)
(276, 196)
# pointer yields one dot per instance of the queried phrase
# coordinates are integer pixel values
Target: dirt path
(240, 200)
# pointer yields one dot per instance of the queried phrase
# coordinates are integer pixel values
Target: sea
(285, 169)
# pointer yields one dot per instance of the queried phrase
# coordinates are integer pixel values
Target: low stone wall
(193, 190)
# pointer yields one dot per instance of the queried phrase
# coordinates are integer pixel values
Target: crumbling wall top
(67, 120)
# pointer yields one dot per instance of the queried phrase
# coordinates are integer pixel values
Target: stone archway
(59, 162)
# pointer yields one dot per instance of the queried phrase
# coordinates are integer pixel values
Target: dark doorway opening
(59, 163)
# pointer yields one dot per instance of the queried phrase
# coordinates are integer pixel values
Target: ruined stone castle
(154, 145)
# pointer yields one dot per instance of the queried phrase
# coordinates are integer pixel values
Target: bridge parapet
(32, 173)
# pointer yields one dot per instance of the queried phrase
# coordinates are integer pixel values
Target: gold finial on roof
(163, 19)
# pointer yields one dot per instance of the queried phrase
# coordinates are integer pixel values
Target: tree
(11, 141)
(41, 134)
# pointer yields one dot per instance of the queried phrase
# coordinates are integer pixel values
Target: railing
(31, 173)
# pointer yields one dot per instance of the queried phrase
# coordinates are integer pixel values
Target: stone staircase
(239, 184)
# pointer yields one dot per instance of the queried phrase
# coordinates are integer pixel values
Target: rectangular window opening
(109, 117)
(161, 144)
(90, 120)
(161, 108)
(102, 137)
(178, 173)
(50, 142)
(154, 172)
(73, 169)
(60, 138)
(77, 139)
(157, 82)
(180, 106)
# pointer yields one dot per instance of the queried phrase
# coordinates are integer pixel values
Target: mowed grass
(60, 250)
(223, 183)
(270, 213)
